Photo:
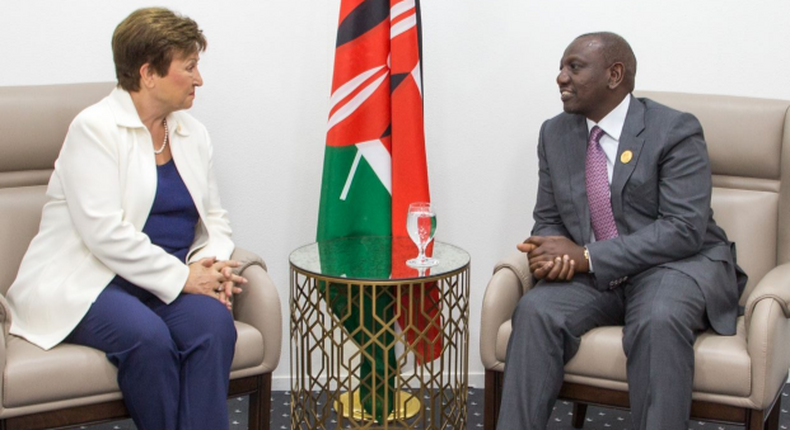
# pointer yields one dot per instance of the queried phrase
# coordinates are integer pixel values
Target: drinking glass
(421, 226)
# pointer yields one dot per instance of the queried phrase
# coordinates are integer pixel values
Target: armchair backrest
(749, 146)
(33, 123)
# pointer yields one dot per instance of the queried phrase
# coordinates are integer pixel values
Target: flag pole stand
(349, 405)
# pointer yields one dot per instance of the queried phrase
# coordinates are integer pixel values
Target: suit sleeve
(546, 214)
(684, 195)
(88, 169)
(216, 221)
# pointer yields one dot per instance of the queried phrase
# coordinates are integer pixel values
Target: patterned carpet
(597, 418)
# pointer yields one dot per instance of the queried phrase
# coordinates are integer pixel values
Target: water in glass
(421, 226)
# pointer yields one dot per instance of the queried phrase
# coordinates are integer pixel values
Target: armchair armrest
(775, 285)
(5, 320)
(518, 263)
(259, 305)
(511, 279)
(247, 259)
(5, 316)
(767, 325)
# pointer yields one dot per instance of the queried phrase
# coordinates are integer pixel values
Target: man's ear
(616, 74)
(147, 76)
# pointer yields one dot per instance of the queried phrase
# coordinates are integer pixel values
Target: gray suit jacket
(660, 200)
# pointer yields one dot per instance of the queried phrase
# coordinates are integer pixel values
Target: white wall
(489, 69)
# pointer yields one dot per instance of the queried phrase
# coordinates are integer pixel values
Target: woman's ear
(147, 76)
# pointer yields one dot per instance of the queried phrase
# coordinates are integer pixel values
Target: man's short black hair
(616, 49)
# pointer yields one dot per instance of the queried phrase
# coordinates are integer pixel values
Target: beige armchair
(71, 385)
(738, 379)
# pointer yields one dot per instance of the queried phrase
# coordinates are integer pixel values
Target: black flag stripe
(396, 79)
(364, 17)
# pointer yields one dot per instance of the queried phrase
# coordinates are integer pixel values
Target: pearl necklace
(167, 138)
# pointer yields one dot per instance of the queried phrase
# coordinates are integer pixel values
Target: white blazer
(98, 200)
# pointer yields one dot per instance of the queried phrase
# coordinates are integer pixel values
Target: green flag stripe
(365, 211)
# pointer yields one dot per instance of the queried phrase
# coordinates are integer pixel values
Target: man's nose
(562, 77)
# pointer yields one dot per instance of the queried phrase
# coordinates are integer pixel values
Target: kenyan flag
(374, 164)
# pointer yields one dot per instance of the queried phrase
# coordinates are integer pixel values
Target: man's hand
(559, 269)
(554, 257)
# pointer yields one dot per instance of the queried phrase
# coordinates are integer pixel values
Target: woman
(132, 256)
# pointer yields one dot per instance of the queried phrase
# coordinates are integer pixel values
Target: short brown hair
(152, 35)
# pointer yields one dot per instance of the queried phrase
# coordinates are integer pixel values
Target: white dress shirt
(612, 125)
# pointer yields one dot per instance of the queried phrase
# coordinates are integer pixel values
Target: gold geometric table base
(347, 324)
(405, 407)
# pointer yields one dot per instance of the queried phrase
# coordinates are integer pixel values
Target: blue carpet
(597, 418)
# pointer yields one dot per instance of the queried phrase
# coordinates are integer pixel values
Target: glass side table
(374, 342)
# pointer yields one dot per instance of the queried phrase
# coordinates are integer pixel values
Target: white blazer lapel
(138, 176)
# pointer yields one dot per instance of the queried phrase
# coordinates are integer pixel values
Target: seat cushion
(34, 376)
(601, 356)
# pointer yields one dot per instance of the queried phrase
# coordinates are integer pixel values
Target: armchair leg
(261, 404)
(765, 420)
(579, 413)
(493, 398)
(772, 422)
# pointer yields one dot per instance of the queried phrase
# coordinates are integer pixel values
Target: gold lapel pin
(626, 156)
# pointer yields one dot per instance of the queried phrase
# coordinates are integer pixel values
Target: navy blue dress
(173, 359)
(171, 223)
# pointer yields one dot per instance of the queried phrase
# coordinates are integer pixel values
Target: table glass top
(374, 258)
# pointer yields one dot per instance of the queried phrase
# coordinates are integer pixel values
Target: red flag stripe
(352, 86)
(358, 97)
(368, 122)
(367, 51)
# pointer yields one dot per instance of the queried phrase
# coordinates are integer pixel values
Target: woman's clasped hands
(214, 278)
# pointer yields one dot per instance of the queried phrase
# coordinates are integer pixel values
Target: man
(623, 235)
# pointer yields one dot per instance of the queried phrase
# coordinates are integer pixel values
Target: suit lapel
(629, 141)
(575, 143)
